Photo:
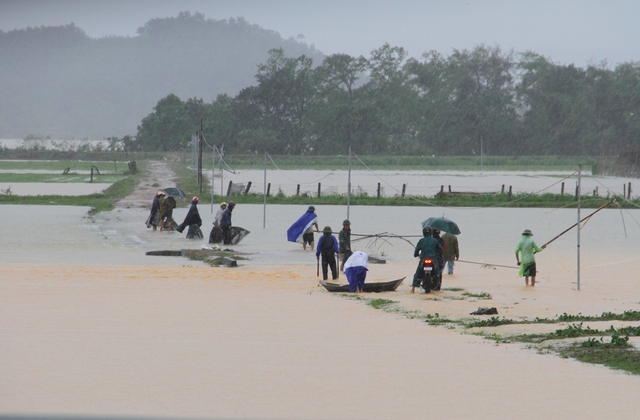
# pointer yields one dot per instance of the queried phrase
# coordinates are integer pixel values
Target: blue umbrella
(443, 224)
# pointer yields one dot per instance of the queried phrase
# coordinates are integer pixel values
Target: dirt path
(157, 175)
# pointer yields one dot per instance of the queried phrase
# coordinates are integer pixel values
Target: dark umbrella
(175, 192)
(443, 224)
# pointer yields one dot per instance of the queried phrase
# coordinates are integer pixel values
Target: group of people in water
(331, 250)
(161, 215)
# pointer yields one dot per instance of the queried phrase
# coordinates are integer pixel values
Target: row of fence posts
(319, 194)
(626, 189)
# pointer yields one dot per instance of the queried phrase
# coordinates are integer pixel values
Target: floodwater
(423, 183)
(90, 325)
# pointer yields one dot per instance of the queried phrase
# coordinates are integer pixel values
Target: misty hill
(57, 81)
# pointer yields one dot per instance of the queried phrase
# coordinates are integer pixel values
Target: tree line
(473, 101)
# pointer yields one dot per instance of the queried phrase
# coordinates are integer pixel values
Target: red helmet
(196, 199)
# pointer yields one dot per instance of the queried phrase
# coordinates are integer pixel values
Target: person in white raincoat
(355, 268)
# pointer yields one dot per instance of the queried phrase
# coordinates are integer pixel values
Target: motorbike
(428, 272)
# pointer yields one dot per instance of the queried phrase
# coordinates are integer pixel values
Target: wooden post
(449, 188)
(502, 190)
(404, 189)
(318, 190)
(268, 189)
(229, 189)
(576, 191)
(378, 195)
(624, 190)
(298, 190)
(246, 190)
(510, 191)
(441, 189)
(629, 192)
(91, 174)
(562, 189)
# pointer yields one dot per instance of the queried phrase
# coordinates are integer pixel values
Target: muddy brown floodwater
(90, 325)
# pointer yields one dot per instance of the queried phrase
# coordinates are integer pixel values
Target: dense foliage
(481, 101)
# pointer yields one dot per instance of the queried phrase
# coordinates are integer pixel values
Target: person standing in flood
(302, 230)
(440, 257)
(167, 214)
(154, 215)
(344, 240)
(225, 223)
(192, 220)
(215, 236)
(328, 247)
(451, 251)
(527, 248)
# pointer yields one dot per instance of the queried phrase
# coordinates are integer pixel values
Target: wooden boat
(377, 287)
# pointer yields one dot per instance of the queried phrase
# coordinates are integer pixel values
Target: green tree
(557, 107)
(170, 126)
(336, 110)
(279, 103)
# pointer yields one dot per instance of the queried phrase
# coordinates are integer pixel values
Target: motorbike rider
(428, 246)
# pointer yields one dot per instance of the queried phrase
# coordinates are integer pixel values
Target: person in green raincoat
(527, 248)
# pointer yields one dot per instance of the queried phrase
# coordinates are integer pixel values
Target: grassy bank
(484, 200)
(609, 347)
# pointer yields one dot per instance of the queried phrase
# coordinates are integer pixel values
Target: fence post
(562, 189)
(404, 189)
(318, 190)
(298, 190)
(510, 192)
(268, 189)
(229, 188)
(624, 190)
(449, 188)
(502, 190)
(629, 192)
(378, 195)
(246, 190)
(91, 174)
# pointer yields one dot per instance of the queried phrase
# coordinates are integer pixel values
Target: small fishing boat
(374, 287)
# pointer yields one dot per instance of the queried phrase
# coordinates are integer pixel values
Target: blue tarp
(294, 233)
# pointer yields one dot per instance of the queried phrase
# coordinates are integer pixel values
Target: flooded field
(93, 326)
(422, 183)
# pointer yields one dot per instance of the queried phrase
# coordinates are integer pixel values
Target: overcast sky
(581, 32)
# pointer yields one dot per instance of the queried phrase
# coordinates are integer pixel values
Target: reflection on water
(61, 234)
(92, 325)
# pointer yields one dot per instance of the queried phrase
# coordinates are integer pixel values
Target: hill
(58, 82)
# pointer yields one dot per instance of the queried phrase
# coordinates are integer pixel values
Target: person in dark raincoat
(225, 223)
(328, 247)
(428, 246)
(154, 215)
(344, 241)
(192, 219)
